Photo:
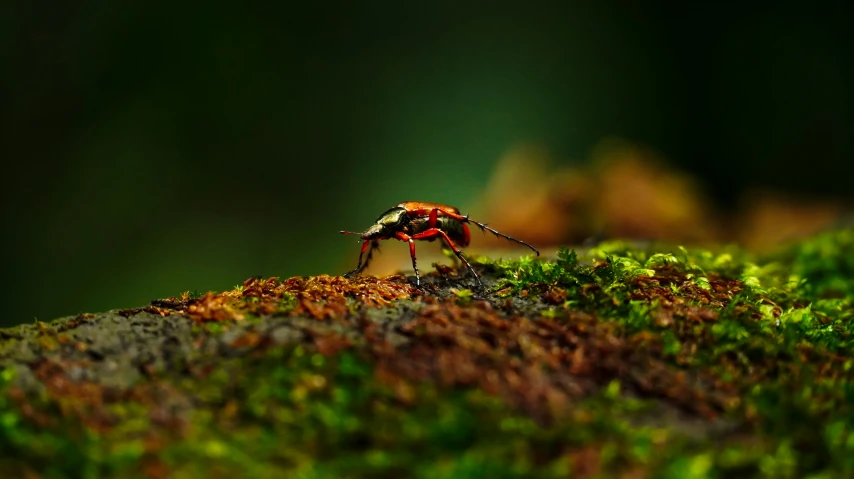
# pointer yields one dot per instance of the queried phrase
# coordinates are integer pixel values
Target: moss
(653, 361)
(777, 330)
(304, 414)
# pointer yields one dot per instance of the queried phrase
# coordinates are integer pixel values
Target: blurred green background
(156, 147)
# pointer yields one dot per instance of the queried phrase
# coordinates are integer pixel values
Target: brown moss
(319, 297)
(689, 299)
(541, 366)
(86, 400)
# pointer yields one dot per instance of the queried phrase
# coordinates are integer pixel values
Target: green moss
(23, 444)
(287, 303)
(464, 296)
(784, 341)
(328, 417)
(301, 414)
(212, 327)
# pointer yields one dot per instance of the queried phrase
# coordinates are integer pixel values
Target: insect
(419, 220)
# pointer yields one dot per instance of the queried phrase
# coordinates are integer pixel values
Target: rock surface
(628, 362)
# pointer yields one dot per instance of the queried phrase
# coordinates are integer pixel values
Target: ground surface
(616, 362)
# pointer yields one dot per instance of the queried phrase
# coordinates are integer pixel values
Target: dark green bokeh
(162, 147)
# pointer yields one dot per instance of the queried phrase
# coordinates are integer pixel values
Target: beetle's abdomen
(455, 229)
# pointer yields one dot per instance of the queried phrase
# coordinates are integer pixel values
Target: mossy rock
(623, 360)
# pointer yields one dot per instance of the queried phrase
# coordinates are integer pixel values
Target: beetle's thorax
(389, 223)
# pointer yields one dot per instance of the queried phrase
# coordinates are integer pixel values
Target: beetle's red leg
(456, 261)
(437, 232)
(431, 223)
(410, 239)
(482, 226)
(374, 244)
(434, 214)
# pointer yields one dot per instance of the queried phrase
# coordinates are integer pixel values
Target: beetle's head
(385, 226)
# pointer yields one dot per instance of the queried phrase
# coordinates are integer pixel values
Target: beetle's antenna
(483, 227)
(352, 233)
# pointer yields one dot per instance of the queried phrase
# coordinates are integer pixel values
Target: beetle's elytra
(419, 220)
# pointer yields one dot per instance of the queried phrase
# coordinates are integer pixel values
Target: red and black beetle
(419, 220)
